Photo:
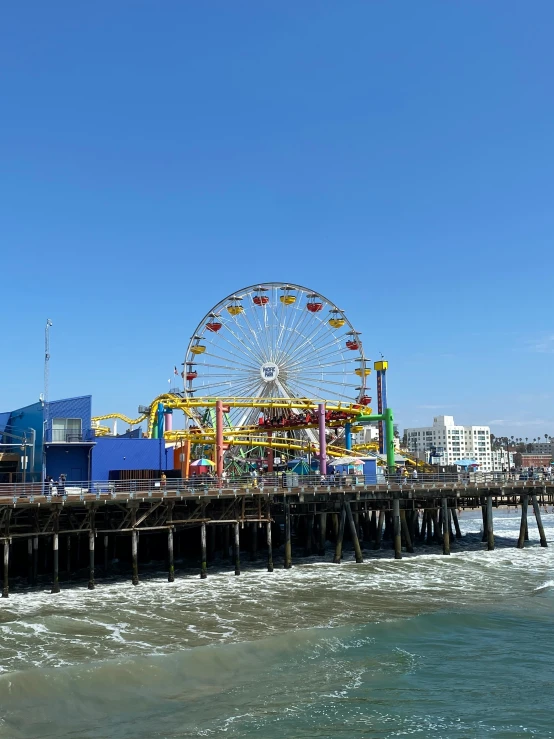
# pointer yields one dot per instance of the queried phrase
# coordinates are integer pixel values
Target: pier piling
(354, 533)
(203, 555)
(170, 558)
(396, 528)
(269, 547)
(523, 524)
(5, 583)
(55, 564)
(538, 519)
(236, 548)
(35, 559)
(340, 537)
(406, 531)
(288, 541)
(456, 523)
(91, 583)
(445, 527)
(134, 555)
(490, 531)
(30, 561)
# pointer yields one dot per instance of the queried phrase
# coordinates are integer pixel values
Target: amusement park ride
(271, 368)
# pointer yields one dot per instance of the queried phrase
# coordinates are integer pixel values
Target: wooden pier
(45, 535)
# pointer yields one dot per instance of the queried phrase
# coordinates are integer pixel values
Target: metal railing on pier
(246, 484)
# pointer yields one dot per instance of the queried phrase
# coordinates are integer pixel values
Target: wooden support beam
(170, 558)
(269, 547)
(5, 583)
(35, 559)
(354, 533)
(523, 525)
(396, 528)
(30, 561)
(456, 523)
(91, 582)
(406, 530)
(106, 552)
(340, 536)
(203, 553)
(445, 527)
(236, 548)
(538, 519)
(288, 540)
(490, 531)
(134, 555)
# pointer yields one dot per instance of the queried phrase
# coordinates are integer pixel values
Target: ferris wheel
(275, 340)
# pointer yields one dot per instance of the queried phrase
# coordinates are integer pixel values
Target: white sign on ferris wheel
(269, 371)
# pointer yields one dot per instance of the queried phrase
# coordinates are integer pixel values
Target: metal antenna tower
(46, 370)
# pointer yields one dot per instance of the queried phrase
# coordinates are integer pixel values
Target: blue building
(54, 439)
(125, 454)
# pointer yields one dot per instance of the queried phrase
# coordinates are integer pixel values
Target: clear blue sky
(156, 155)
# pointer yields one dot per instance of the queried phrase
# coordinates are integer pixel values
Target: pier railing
(246, 484)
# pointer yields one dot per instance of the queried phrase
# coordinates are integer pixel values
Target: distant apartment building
(445, 443)
(526, 460)
(540, 447)
(502, 460)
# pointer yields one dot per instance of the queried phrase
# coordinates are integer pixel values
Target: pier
(46, 532)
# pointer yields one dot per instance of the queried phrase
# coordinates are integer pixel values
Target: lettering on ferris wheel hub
(269, 371)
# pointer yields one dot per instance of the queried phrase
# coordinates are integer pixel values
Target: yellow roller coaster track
(207, 436)
(174, 402)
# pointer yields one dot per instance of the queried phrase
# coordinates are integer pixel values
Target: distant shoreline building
(445, 443)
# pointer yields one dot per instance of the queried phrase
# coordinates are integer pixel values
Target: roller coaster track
(256, 435)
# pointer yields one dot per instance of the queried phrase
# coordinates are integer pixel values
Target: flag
(175, 371)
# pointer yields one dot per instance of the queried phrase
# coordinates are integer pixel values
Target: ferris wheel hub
(269, 371)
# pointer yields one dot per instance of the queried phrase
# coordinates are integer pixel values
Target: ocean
(431, 646)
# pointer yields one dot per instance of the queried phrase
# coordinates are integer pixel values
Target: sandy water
(436, 646)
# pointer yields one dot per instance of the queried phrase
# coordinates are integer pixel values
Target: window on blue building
(67, 429)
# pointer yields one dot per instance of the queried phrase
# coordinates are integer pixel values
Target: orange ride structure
(274, 368)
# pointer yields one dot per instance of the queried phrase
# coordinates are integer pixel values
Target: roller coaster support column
(219, 438)
(168, 417)
(322, 441)
(348, 436)
(381, 369)
(269, 456)
(387, 418)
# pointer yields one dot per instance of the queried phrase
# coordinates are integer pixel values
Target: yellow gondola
(362, 371)
(198, 349)
(337, 322)
(288, 299)
(235, 310)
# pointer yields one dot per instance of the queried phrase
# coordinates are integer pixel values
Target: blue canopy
(466, 463)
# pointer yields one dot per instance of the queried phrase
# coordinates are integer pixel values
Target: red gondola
(365, 400)
(260, 300)
(191, 375)
(314, 307)
(214, 326)
(351, 344)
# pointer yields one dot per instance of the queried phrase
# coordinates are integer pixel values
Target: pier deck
(314, 512)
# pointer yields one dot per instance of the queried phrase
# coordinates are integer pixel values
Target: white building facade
(447, 443)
